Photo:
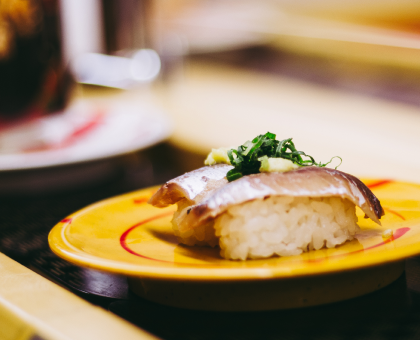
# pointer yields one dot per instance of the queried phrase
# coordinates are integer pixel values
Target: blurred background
(340, 77)
(102, 97)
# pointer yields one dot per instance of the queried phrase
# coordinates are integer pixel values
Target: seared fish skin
(308, 181)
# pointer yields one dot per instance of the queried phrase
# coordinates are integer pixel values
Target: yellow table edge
(31, 305)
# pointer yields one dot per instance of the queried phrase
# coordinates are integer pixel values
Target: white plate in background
(82, 133)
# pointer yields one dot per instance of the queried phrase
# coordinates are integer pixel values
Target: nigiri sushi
(263, 214)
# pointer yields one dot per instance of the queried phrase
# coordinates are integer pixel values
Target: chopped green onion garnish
(246, 160)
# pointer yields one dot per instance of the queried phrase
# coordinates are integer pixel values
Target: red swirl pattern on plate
(395, 213)
(379, 183)
(123, 238)
(123, 241)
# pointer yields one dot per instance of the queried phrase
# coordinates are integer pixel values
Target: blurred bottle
(128, 24)
(33, 79)
(110, 42)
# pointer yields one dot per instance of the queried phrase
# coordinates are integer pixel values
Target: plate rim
(206, 274)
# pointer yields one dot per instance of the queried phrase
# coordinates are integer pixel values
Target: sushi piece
(267, 213)
(191, 187)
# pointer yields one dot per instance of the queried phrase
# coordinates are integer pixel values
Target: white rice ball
(277, 226)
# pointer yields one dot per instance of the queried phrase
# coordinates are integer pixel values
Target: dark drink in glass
(33, 80)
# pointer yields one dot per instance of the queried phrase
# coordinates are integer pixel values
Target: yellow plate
(127, 236)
